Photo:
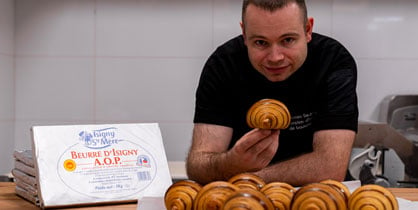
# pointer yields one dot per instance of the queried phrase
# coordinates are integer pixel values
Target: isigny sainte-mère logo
(99, 139)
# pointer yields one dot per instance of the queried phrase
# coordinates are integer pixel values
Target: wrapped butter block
(30, 170)
(25, 176)
(27, 195)
(24, 156)
(27, 187)
(22, 176)
(88, 164)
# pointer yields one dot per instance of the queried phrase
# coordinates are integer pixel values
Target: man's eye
(288, 40)
(260, 43)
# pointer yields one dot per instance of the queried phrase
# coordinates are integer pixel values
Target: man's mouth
(276, 70)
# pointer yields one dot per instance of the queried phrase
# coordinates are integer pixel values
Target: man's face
(276, 41)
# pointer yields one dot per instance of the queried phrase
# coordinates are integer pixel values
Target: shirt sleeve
(212, 102)
(340, 108)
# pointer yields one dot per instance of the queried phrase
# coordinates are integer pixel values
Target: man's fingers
(268, 143)
(251, 138)
(259, 154)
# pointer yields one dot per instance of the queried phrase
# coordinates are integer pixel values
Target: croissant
(268, 114)
(214, 195)
(181, 194)
(339, 186)
(372, 197)
(248, 198)
(280, 194)
(318, 196)
(247, 180)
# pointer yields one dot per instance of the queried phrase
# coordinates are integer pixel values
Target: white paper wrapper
(30, 170)
(24, 156)
(22, 176)
(407, 204)
(85, 164)
(27, 195)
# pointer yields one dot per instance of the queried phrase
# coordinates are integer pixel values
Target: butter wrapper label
(95, 163)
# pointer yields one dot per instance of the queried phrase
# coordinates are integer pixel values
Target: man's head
(276, 33)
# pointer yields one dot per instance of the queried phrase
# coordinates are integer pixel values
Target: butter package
(90, 164)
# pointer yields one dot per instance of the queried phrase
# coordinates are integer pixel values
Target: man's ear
(243, 31)
(309, 28)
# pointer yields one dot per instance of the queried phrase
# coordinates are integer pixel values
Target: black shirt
(320, 95)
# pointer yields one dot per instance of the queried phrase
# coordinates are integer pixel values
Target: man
(276, 57)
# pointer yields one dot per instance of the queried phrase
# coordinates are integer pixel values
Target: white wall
(109, 61)
(6, 84)
(382, 35)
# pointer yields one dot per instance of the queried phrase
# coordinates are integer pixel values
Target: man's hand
(328, 160)
(209, 158)
(254, 150)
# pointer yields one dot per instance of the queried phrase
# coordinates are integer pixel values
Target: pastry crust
(248, 198)
(340, 187)
(268, 114)
(247, 180)
(180, 195)
(280, 193)
(372, 197)
(214, 195)
(318, 196)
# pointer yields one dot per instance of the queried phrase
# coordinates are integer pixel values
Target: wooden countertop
(10, 201)
(405, 193)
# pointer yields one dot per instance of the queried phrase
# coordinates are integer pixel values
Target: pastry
(180, 195)
(372, 197)
(247, 180)
(248, 198)
(339, 186)
(318, 196)
(268, 114)
(280, 194)
(213, 195)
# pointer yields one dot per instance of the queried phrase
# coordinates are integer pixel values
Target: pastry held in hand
(268, 114)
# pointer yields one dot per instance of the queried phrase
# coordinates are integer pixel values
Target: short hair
(272, 5)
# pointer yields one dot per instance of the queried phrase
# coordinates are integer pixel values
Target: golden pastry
(280, 194)
(318, 196)
(247, 180)
(268, 114)
(339, 186)
(372, 197)
(180, 195)
(248, 198)
(213, 195)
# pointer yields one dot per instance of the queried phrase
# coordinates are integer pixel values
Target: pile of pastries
(247, 191)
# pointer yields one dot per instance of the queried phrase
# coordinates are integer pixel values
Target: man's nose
(275, 54)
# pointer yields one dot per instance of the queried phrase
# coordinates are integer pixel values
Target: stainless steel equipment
(401, 113)
(395, 137)
(383, 137)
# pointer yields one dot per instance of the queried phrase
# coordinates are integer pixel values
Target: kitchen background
(138, 61)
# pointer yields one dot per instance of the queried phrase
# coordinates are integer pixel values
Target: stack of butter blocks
(24, 174)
